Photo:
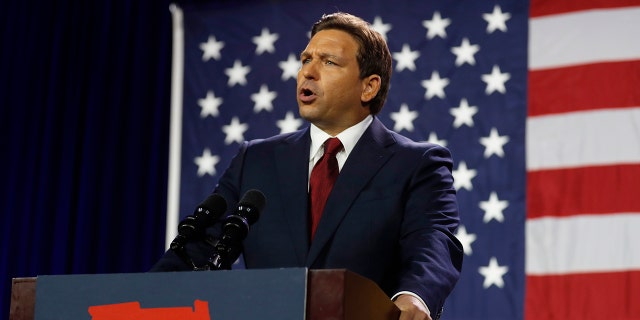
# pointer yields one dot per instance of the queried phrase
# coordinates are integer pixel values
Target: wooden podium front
(334, 294)
(23, 299)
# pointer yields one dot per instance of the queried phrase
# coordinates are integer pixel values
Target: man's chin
(307, 111)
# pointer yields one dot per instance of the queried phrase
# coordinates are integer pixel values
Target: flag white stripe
(584, 37)
(580, 244)
(175, 138)
(588, 138)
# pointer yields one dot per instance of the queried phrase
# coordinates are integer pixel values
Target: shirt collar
(349, 137)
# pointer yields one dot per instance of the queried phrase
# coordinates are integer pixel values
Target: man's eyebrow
(322, 55)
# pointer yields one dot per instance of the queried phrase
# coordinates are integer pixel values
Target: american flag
(583, 160)
(539, 103)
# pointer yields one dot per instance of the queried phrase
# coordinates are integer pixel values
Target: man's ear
(370, 87)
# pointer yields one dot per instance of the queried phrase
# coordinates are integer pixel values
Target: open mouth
(307, 95)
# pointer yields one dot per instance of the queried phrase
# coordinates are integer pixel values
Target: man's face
(329, 86)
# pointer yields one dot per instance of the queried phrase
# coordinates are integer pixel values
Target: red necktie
(323, 176)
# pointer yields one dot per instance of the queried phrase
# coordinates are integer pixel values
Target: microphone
(193, 226)
(235, 230)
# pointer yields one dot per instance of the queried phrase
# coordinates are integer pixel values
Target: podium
(296, 293)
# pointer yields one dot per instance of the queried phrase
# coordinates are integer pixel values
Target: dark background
(84, 126)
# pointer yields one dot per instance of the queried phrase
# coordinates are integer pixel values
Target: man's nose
(309, 70)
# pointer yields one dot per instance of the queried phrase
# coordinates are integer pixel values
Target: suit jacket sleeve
(430, 253)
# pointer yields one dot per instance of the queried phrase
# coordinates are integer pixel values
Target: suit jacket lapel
(364, 161)
(292, 162)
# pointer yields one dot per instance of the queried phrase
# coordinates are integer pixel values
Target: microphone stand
(228, 248)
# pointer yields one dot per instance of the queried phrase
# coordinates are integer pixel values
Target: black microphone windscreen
(254, 198)
(214, 202)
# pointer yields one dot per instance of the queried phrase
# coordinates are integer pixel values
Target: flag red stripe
(583, 296)
(584, 87)
(585, 190)
(547, 7)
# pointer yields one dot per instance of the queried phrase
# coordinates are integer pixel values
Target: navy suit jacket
(390, 217)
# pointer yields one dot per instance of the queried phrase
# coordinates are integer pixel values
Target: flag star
(209, 105)
(495, 80)
(493, 208)
(403, 118)
(211, 49)
(406, 58)
(289, 124)
(234, 131)
(493, 143)
(237, 74)
(433, 138)
(464, 53)
(381, 27)
(264, 42)
(436, 26)
(263, 100)
(434, 86)
(493, 274)
(496, 19)
(207, 163)
(462, 176)
(466, 239)
(463, 114)
(290, 67)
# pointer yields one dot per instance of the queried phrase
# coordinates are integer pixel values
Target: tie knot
(332, 146)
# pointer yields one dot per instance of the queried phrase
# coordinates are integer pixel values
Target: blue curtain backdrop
(84, 125)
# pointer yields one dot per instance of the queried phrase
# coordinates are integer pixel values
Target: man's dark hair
(373, 55)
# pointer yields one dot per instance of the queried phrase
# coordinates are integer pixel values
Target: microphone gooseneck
(235, 230)
(192, 227)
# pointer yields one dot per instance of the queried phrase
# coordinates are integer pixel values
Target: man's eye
(305, 61)
(329, 62)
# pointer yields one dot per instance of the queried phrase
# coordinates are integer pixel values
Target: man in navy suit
(392, 213)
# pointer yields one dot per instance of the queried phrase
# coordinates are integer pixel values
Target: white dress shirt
(348, 137)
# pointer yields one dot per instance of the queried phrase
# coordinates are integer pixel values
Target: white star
(290, 67)
(211, 49)
(434, 86)
(264, 42)
(495, 80)
(237, 74)
(466, 239)
(207, 163)
(289, 124)
(493, 143)
(209, 105)
(263, 100)
(433, 138)
(381, 27)
(436, 26)
(235, 131)
(462, 176)
(493, 208)
(463, 114)
(464, 53)
(496, 19)
(493, 274)
(404, 118)
(406, 58)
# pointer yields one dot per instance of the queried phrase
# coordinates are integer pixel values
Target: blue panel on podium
(201, 295)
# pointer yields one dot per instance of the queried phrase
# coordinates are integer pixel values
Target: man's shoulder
(399, 142)
(404, 142)
(289, 137)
